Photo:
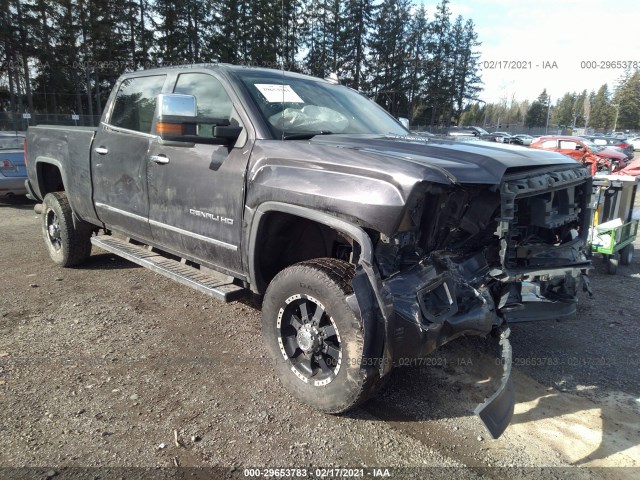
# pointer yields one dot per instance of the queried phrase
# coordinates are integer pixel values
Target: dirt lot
(101, 366)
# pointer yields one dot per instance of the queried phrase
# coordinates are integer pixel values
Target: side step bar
(212, 283)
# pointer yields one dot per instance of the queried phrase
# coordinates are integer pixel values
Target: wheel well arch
(282, 235)
(49, 177)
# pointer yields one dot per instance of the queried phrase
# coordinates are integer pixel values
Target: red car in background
(596, 157)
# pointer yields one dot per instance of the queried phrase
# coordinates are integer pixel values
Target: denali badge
(211, 216)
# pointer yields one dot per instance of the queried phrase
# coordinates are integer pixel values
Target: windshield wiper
(306, 135)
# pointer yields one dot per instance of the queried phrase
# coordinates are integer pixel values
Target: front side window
(549, 144)
(135, 103)
(211, 98)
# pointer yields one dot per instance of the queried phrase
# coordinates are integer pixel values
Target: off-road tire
(626, 255)
(68, 244)
(328, 281)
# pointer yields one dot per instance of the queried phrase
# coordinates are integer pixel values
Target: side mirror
(177, 121)
(174, 104)
(404, 122)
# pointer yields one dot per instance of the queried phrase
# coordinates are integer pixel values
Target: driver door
(196, 191)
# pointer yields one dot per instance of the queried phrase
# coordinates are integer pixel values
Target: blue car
(13, 171)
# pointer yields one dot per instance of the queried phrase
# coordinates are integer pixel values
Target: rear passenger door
(119, 156)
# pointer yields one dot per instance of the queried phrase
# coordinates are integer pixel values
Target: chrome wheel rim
(53, 230)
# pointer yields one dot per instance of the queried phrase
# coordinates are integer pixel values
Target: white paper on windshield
(278, 93)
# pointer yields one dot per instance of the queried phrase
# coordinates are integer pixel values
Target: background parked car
(13, 171)
(611, 142)
(526, 139)
(635, 142)
(467, 132)
(502, 137)
(582, 150)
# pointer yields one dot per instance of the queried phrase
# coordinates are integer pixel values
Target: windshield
(11, 143)
(300, 107)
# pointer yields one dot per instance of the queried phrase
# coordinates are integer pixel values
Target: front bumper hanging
(497, 410)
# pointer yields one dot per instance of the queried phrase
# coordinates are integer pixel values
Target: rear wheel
(68, 244)
(314, 337)
(626, 255)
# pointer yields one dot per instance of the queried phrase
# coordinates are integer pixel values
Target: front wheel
(68, 243)
(314, 337)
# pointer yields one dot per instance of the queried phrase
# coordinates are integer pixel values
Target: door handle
(160, 159)
(101, 150)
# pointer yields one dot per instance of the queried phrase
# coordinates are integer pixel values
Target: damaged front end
(469, 259)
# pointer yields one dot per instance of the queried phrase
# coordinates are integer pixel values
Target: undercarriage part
(497, 410)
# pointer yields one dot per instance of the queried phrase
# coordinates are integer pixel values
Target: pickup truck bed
(59, 162)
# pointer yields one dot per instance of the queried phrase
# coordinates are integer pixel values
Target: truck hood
(370, 178)
(461, 161)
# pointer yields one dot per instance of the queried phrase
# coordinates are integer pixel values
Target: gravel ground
(106, 365)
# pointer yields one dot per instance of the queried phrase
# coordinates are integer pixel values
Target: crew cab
(370, 245)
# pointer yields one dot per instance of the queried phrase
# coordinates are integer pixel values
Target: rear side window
(135, 103)
(567, 145)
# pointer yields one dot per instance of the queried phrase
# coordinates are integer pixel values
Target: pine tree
(563, 115)
(323, 33)
(538, 111)
(586, 109)
(466, 80)
(602, 113)
(355, 39)
(388, 59)
(578, 109)
(440, 66)
(418, 38)
(627, 99)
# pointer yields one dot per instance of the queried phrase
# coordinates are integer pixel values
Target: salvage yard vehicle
(524, 139)
(618, 144)
(635, 142)
(370, 245)
(596, 157)
(13, 171)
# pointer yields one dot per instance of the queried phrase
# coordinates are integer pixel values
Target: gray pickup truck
(369, 245)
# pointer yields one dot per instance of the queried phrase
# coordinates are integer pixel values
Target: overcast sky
(537, 31)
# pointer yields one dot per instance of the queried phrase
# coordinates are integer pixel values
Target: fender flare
(51, 161)
(367, 302)
(342, 226)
